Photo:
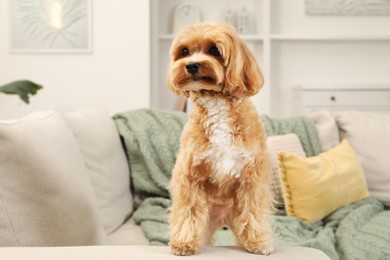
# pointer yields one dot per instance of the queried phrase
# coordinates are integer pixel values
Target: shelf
(301, 37)
(252, 37)
(249, 37)
(166, 37)
(286, 37)
(290, 47)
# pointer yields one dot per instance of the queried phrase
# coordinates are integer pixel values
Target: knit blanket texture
(151, 139)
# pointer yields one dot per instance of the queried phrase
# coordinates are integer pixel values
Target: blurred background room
(114, 55)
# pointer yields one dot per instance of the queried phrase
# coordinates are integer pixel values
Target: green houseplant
(22, 88)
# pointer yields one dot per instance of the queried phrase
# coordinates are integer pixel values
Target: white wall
(114, 77)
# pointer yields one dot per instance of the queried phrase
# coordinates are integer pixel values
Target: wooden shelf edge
(249, 37)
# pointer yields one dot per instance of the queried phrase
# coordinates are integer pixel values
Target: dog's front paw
(260, 248)
(183, 248)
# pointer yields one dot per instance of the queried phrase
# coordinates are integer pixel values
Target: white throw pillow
(106, 163)
(46, 198)
(369, 135)
(281, 143)
(328, 132)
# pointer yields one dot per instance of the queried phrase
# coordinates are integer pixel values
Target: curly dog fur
(222, 170)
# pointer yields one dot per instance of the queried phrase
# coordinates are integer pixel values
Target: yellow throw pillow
(316, 186)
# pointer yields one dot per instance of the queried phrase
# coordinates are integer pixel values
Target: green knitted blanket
(151, 137)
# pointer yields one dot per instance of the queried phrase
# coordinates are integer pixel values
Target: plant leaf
(22, 88)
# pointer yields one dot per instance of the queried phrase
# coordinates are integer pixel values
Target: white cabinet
(291, 48)
(374, 98)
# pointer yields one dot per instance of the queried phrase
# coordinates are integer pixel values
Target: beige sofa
(65, 192)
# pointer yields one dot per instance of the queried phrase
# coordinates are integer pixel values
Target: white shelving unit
(250, 37)
(291, 48)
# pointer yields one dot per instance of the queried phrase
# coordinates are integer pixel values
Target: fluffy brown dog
(222, 170)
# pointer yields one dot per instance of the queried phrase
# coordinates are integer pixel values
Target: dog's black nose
(193, 67)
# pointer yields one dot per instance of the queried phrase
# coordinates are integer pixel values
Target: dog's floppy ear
(243, 76)
(253, 78)
(175, 89)
(174, 73)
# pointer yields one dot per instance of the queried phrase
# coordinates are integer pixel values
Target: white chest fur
(226, 157)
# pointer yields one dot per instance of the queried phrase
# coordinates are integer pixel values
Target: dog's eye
(214, 51)
(185, 52)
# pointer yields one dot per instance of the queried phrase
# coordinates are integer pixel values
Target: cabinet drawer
(330, 98)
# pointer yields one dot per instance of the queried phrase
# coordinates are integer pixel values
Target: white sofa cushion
(46, 198)
(128, 234)
(369, 134)
(326, 128)
(106, 163)
(276, 144)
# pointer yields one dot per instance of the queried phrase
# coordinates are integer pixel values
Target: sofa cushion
(316, 186)
(276, 144)
(128, 234)
(326, 128)
(106, 164)
(46, 198)
(369, 134)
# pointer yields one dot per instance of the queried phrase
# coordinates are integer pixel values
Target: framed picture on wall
(348, 7)
(51, 26)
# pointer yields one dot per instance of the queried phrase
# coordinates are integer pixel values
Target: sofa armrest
(152, 252)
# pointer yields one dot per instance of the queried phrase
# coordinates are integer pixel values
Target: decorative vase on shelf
(243, 21)
(230, 18)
